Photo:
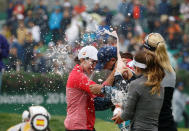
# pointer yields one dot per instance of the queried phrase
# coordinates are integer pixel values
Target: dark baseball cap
(104, 55)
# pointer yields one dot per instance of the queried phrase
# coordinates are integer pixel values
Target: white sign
(52, 98)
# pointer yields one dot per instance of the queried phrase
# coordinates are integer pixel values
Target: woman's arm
(129, 107)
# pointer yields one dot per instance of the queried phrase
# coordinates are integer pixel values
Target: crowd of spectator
(43, 40)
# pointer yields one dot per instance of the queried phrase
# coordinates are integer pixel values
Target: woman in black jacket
(155, 43)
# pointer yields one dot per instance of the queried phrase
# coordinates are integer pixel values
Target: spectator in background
(21, 32)
(151, 12)
(29, 6)
(65, 21)
(39, 61)
(185, 43)
(57, 4)
(55, 23)
(10, 10)
(80, 7)
(123, 7)
(184, 10)
(174, 33)
(14, 44)
(48, 56)
(29, 17)
(39, 64)
(136, 10)
(164, 8)
(73, 27)
(19, 8)
(13, 23)
(67, 6)
(127, 26)
(35, 30)
(97, 8)
(164, 25)
(117, 20)
(41, 19)
(179, 105)
(4, 51)
(175, 8)
(42, 6)
(108, 15)
(28, 52)
(158, 27)
(6, 31)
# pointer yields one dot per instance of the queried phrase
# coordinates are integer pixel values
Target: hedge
(24, 82)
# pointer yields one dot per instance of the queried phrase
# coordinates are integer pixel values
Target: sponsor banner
(55, 103)
(36, 99)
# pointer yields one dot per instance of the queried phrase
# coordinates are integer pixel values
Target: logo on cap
(40, 122)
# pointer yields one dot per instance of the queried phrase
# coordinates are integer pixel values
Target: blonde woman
(155, 43)
(145, 95)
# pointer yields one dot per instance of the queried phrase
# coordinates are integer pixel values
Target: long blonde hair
(154, 72)
(157, 41)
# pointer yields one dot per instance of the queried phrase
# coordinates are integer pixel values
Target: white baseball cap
(67, 4)
(171, 18)
(88, 52)
(20, 17)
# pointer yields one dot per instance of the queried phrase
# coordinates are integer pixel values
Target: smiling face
(110, 64)
(88, 65)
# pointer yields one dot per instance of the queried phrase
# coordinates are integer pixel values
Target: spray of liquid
(120, 63)
(59, 54)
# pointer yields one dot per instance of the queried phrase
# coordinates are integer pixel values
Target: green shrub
(24, 82)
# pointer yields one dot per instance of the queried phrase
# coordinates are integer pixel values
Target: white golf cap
(88, 52)
(34, 110)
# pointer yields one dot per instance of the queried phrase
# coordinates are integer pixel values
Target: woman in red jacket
(80, 103)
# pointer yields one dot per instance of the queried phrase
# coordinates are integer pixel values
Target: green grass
(56, 123)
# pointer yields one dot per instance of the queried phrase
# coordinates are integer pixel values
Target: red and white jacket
(80, 103)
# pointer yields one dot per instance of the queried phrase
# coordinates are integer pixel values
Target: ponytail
(154, 72)
(162, 57)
